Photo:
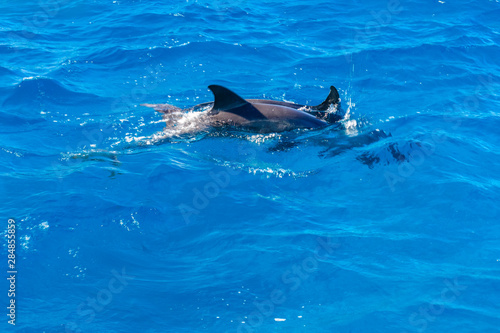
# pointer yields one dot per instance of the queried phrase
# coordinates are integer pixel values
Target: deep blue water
(386, 222)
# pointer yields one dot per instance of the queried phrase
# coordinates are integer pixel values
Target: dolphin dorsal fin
(225, 99)
(333, 98)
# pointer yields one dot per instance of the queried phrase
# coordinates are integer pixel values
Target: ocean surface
(387, 221)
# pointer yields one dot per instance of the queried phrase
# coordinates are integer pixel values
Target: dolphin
(259, 115)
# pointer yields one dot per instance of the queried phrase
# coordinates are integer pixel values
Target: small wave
(46, 90)
(115, 56)
(14, 121)
(6, 72)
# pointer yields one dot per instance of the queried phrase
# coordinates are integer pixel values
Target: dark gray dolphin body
(263, 116)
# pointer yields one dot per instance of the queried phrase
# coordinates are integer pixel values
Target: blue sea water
(385, 222)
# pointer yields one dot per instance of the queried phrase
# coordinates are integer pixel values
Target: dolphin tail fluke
(163, 108)
(333, 98)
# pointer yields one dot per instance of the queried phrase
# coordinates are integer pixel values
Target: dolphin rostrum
(263, 116)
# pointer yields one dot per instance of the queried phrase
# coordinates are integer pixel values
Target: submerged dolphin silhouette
(263, 116)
